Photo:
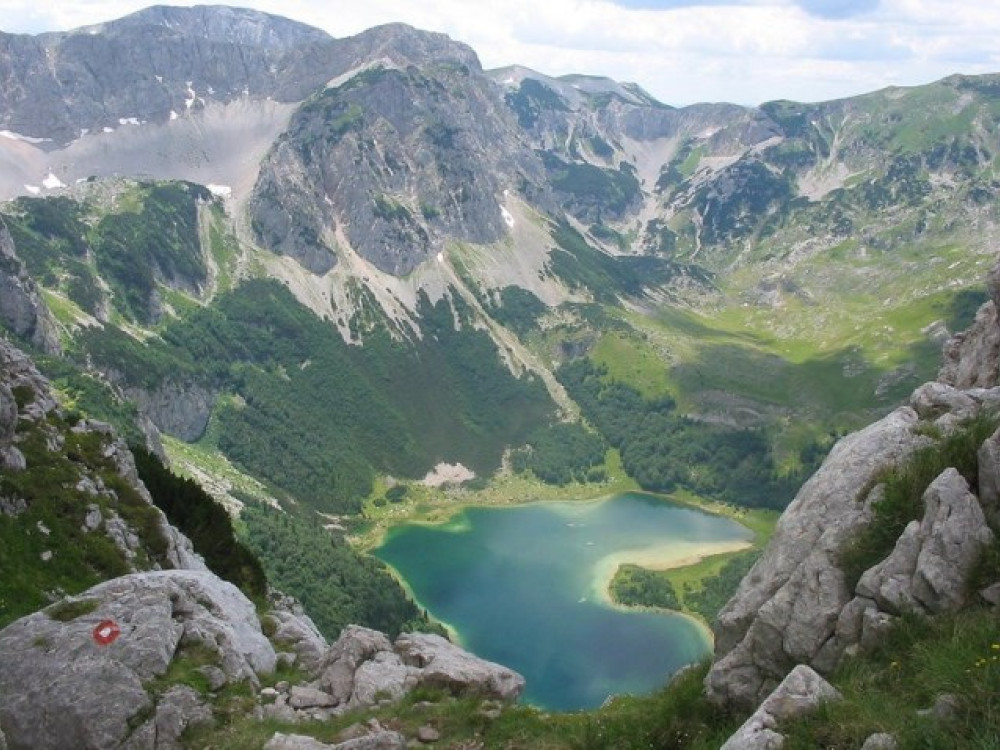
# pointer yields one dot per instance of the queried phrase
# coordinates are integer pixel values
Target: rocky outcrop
(22, 310)
(445, 665)
(799, 694)
(24, 397)
(363, 667)
(60, 688)
(927, 570)
(796, 606)
(431, 150)
(787, 607)
(380, 740)
(972, 358)
(295, 630)
(178, 409)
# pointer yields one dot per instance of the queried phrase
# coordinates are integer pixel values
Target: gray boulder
(297, 631)
(443, 664)
(786, 609)
(294, 742)
(381, 740)
(178, 709)
(880, 741)
(989, 479)
(931, 562)
(303, 696)
(384, 677)
(800, 693)
(934, 400)
(59, 688)
(355, 646)
(363, 667)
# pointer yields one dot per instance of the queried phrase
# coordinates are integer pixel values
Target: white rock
(785, 610)
(800, 693)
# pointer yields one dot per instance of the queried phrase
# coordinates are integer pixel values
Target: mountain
(322, 274)
(758, 266)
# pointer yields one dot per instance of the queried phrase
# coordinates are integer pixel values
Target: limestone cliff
(396, 159)
(22, 310)
(797, 605)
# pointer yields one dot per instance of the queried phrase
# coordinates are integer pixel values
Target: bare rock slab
(59, 688)
(799, 694)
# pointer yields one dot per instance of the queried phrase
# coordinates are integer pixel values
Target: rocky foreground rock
(60, 687)
(796, 606)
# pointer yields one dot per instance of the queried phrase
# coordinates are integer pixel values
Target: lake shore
(677, 555)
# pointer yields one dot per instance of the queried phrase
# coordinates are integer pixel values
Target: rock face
(59, 688)
(146, 65)
(180, 410)
(22, 310)
(362, 666)
(430, 148)
(972, 358)
(795, 605)
(787, 606)
(927, 571)
(800, 693)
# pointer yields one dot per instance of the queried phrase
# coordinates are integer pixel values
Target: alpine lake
(527, 586)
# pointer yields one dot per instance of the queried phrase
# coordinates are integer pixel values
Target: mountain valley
(348, 283)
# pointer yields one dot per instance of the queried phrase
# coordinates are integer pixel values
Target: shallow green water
(522, 587)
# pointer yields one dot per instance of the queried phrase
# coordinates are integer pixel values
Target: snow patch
(33, 189)
(18, 137)
(192, 96)
(440, 257)
(52, 182)
(507, 217)
(159, 79)
(173, 115)
(223, 191)
(108, 130)
(128, 121)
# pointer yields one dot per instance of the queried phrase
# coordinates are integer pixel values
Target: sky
(681, 51)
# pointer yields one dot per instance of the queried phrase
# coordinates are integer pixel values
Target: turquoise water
(523, 585)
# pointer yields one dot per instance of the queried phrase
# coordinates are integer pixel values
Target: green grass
(631, 359)
(678, 716)
(53, 519)
(70, 609)
(918, 661)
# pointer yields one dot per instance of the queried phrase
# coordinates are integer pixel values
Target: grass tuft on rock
(904, 487)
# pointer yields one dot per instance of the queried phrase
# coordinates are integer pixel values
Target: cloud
(682, 51)
(837, 9)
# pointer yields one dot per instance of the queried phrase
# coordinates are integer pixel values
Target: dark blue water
(523, 586)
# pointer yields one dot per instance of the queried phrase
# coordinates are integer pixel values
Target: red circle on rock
(106, 632)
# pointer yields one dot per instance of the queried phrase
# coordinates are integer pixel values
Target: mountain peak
(215, 23)
(406, 45)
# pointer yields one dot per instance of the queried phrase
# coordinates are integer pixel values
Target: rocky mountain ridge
(801, 604)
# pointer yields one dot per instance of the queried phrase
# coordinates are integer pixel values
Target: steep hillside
(789, 269)
(74, 512)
